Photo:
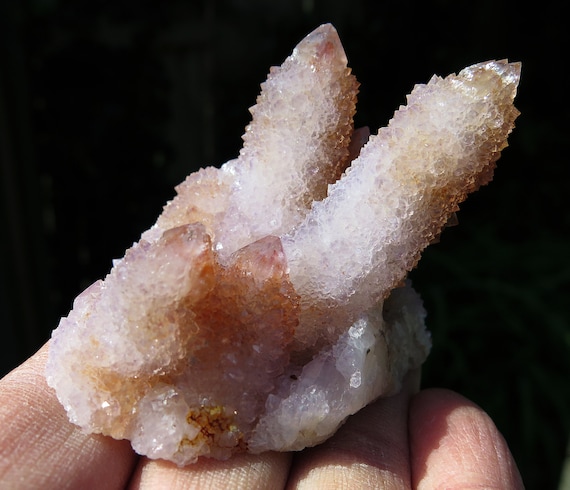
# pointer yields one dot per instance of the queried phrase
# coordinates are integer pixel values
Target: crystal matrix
(269, 301)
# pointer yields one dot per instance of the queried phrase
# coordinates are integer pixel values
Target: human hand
(422, 440)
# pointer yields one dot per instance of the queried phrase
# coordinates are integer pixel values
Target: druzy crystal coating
(269, 301)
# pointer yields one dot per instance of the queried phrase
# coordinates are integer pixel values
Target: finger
(247, 471)
(40, 448)
(454, 444)
(369, 451)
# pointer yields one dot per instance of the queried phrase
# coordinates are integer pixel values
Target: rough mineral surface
(269, 301)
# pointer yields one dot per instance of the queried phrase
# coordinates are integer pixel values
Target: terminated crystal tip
(269, 302)
(322, 43)
(509, 73)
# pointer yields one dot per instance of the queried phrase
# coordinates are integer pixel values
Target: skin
(431, 439)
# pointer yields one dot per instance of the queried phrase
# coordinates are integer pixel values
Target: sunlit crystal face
(264, 305)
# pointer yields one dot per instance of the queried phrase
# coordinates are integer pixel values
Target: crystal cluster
(269, 301)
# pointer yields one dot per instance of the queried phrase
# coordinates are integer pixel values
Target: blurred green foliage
(105, 106)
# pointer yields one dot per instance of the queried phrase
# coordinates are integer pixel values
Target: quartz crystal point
(269, 302)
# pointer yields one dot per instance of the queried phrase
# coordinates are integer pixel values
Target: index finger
(40, 448)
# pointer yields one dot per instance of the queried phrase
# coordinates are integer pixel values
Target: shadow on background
(105, 107)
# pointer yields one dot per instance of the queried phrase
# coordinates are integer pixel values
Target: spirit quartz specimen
(269, 301)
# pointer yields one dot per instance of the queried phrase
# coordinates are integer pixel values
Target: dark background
(105, 106)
